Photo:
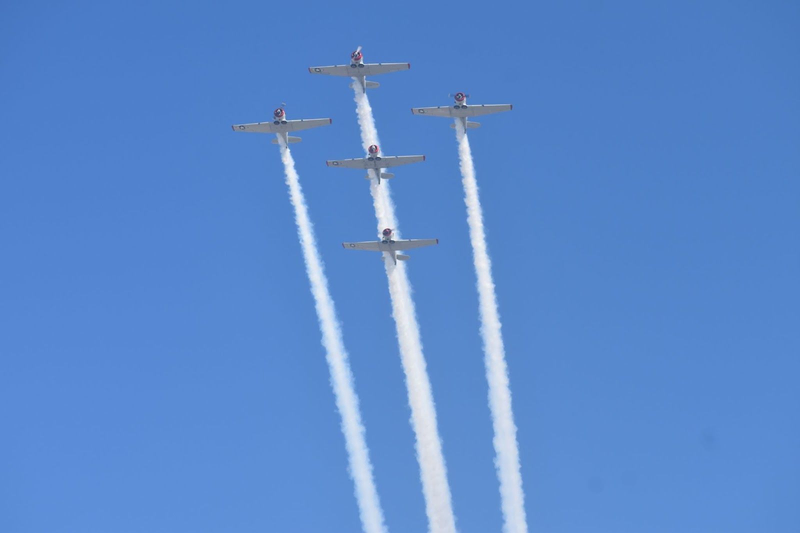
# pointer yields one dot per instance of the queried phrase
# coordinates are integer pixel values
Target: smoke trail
(341, 377)
(433, 471)
(505, 432)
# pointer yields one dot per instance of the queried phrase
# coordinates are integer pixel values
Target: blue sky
(160, 361)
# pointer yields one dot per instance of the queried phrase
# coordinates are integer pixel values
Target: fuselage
(279, 118)
(386, 245)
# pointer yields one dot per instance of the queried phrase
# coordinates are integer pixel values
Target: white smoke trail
(341, 377)
(433, 471)
(505, 432)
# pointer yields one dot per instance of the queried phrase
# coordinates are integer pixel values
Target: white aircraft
(462, 111)
(375, 162)
(359, 70)
(281, 127)
(390, 246)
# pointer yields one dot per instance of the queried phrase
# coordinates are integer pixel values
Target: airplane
(462, 111)
(374, 161)
(359, 70)
(281, 127)
(390, 246)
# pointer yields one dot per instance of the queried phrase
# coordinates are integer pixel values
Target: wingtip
(330, 121)
(423, 158)
(310, 70)
(409, 65)
(510, 107)
(327, 163)
(437, 241)
(233, 127)
(343, 246)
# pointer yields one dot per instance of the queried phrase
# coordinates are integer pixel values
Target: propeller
(358, 49)
(453, 95)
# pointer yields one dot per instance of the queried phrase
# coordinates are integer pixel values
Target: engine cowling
(374, 150)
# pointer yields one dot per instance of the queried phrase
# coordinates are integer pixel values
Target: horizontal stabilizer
(470, 125)
(373, 85)
(292, 140)
(386, 175)
(401, 257)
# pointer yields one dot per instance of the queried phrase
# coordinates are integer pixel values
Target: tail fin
(366, 85)
(470, 125)
(383, 176)
(292, 140)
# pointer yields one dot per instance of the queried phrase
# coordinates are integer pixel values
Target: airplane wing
(258, 127)
(383, 162)
(441, 111)
(350, 163)
(306, 123)
(372, 246)
(365, 69)
(373, 69)
(397, 160)
(408, 244)
(291, 125)
(333, 70)
(467, 111)
(487, 109)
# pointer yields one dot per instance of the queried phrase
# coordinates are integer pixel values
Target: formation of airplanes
(374, 162)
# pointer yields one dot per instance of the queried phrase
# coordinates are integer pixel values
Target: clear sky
(160, 361)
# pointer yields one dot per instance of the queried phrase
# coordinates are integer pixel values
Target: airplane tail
(383, 176)
(292, 140)
(367, 84)
(470, 125)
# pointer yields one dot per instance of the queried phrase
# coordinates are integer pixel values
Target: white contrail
(433, 471)
(505, 432)
(341, 377)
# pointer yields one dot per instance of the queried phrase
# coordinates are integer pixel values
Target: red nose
(387, 232)
(459, 96)
(356, 55)
(279, 112)
(374, 149)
